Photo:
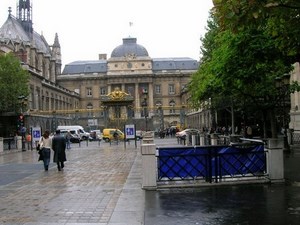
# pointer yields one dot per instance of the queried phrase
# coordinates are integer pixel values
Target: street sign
(36, 134)
(130, 131)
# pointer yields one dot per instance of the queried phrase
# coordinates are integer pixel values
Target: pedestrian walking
(45, 144)
(28, 140)
(116, 137)
(59, 148)
(68, 139)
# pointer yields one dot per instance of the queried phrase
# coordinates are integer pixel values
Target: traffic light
(20, 122)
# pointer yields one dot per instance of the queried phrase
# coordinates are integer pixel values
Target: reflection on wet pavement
(102, 185)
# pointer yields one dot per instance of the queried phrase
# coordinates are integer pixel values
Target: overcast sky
(166, 28)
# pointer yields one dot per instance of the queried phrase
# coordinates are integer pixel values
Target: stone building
(43, 61)
(295, 101)
(76, 94)
(156, 85)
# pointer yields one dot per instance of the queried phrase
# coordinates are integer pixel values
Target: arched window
(89, 106)
(22, 55)
(158, 105)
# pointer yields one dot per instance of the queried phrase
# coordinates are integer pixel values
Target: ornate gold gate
(118, 108)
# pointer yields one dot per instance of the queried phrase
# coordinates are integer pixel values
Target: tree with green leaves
(278, 18)
(241, 65)
(13, 83)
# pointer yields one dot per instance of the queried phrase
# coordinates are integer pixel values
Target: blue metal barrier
(211, 162)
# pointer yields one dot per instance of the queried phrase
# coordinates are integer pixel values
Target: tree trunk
(273, 123)
(265, 133)
(232, 121)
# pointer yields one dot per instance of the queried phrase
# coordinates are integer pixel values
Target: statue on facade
(117, 95)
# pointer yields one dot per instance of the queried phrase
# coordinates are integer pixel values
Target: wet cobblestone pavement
(86, 192)
(102, 185)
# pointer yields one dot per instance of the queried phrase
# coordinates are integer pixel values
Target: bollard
(275, 160)
(214, 139)
(19, 142)
(149, 166)
(148, 150)
(148, 138)
(1, 144)
(193, 139)
(187, 140)
(202, 140)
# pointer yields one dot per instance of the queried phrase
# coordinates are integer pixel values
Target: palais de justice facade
(75, 93)
(156, 84)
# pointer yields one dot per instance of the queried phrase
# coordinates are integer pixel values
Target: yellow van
(108, 134)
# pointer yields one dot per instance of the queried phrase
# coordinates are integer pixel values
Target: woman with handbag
(45, 146)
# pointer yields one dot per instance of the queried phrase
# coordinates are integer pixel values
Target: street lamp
(182, 117)
(23, 102)
(54, 121)
(160, 114)
(282, 84)
(145, 112)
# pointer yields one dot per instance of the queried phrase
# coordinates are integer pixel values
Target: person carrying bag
(45, 144)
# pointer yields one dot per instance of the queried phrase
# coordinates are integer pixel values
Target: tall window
(172, 106)
(158, 104)
(103, 91)
(89, 106)
(130, 90)
(171, 89)
(89, 92)
(157, 89)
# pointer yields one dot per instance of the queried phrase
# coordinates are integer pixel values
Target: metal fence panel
(211, 162)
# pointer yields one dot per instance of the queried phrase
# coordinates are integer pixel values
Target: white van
(78, 130)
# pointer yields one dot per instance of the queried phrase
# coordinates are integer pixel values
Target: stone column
(202, 140)
(214, 139)
(149, 165)
(150, 99)
(275, 161)
(137, 112)
(19, 142)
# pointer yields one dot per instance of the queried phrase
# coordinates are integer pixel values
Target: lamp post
(282, 84)
(54, 121)
(23, 102)
(182, 117)
(105, 115)
(145, 112)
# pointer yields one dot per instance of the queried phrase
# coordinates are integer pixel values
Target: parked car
(108, 134)
(79, 131)
(183, 133)
(74, 137)
(95, 135)
(139, 134)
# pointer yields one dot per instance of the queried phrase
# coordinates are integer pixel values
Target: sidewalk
(102, 185)
(99, 185)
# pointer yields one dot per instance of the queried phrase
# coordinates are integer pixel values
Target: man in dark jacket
(59, 148)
